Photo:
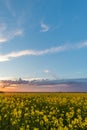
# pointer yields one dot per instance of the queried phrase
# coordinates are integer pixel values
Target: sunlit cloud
(3, 39)
(7, 57)
(62, 48)
(44, 27)
(32, 79)
(6, 78)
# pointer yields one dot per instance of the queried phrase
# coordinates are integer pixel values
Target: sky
(43, 39)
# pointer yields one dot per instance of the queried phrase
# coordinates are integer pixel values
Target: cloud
(34, 78)
(51, 74)
(18, 32)
(46, 71)
(3, 39)
(2, 27)
(82, 45)
(6, 34)
(44, 27)
(7, 57)
(6, 78)
(62, 48)
(9, 7)
(56, 27)
(10, 35)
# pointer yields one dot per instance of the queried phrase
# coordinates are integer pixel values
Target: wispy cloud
(51, 74)
(82, 45)
(62, 48)
(2, 27)
(56, 27)
(44, 27)
(21, 19)
(6, 34)
(9, 7)
(7, 57)
(17, 32)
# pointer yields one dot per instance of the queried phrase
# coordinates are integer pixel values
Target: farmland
(43, 111)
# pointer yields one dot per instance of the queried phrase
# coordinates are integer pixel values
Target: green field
(43, 111)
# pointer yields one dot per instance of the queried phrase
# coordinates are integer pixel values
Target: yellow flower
(36, 128)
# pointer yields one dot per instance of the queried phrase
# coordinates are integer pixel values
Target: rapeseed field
(43, 111)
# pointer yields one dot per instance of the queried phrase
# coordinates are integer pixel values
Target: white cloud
(31, 79)
(44, 27)
(82, 45)
(6, 78)
(6, 34)
(3, 39)
(66, 47)
(7, 57)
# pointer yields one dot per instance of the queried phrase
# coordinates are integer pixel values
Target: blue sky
(43, 39)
